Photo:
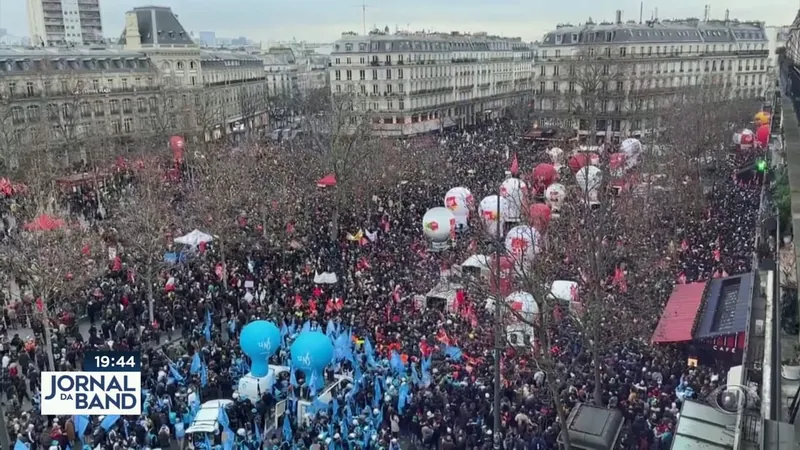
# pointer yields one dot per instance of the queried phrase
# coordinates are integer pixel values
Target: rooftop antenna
(655, 17)
(364, 16)
(641, 10)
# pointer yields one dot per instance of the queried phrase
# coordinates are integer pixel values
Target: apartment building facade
(54, 23)
(614, 79)
(418, 82)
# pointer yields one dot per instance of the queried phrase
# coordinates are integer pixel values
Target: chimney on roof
(705, 13)
(133, 39)
(727, 15)
(618, 18)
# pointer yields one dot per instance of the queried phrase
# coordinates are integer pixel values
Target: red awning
(677, 321)
(327, 181)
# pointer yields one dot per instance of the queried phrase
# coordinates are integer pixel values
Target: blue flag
(377, 396)
(287, 429)
(402, 398)
(19, 445)
(370, 352)
(228, 439)
(194, 369)
(335, 408)
(204, 375)
(173, 371)
(222, 417)
(330, 329)
(397, 364)
(454, 353)
(343, 348)
(80, 423)
(292, 377)
(109, 421)
(259, 436)
(306, 327)
(284, 330)
(232, 326)
(207, 325)
(414, 374)
(312, 384)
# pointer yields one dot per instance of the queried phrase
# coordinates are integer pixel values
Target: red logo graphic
(451, 203)
(490, 215)
(573, 293)
(433, 226)
(503, 191)
(518, 246)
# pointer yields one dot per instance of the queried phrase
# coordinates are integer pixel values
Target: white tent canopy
(477, 261)
(325, 278)
(194, 238)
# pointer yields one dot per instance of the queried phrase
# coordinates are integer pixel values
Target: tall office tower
(55, 23)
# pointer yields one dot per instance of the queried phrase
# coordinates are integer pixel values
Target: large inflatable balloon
(459, 200)
(554, 196)
(556, 156)
(515, 191)
(524, 304)
(176, 144)
(617, 164)
(491, 215)
(439, 225)
(589, 180)
(311, 352)
(577, 162)
(260, 340)
(544, 175)
(540, 217)
(522, 242)
(762, 135)
(632, 148)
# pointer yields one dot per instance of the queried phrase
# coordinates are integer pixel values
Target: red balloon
(544, 175)
(176, 144)
(746, 139)
(762, 135)
(617, 161)
(578, 162)
(540, 216)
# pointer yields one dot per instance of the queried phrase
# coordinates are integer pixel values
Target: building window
(389, 88)
(86, 109)
(33, 113)
(99, 108)
(126, 106)
(374, 88)
(66, 110)
(363, 89)
(114, 106)
(555, 86)
(30, 91)
(362, 75)
(142, 106)
(128, 125)
(115, 127)
(349, 74)
(374, 74)
(17, 114)
(401, 105)
(388, 74)
(542, 70)
(338, 88)
(399, 74)
(338, 75)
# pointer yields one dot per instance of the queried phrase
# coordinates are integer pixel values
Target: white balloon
(522, 242)
(554, 196)
(439, 224)
(524, 304)
(589, 178)
(632, 148)
(514, 190)
(490, 215)
(556, 155)
(459, 200)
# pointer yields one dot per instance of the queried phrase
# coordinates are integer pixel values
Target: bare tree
(208, 115)
(51, 255)
(145, 215)
(342, 143)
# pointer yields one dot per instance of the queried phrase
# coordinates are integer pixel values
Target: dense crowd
(449, 406)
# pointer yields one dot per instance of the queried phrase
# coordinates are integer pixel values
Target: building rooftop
(221, 55)
(65, 52)
(667, 31)
(158, 25)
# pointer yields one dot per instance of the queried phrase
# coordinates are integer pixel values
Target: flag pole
(498, 310)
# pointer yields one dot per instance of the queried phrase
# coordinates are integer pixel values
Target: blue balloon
(260, 340)
(311, 352)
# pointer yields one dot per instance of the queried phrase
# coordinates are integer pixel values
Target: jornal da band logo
(91, 393)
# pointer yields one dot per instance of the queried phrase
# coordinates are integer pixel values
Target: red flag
(684, 245)
(682, 278)
(289, 228)
(202, 247)
(425, 349)
(396, 293)
(317, 292)
(39, 304)
(117, 264)
(298, 301)
(218, 270)
(473, 246)
(339, 304)
(312, 306)
(85, 251)
(442, 337)
(717, 254)
(514, 166)
(329, 306)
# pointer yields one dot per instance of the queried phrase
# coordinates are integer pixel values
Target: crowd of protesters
(448, 407)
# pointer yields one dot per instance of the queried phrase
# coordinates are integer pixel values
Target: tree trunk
(48, 336)
(598, 389)
(224, 265)
(562, 419)
(335, 224)
(150, 301)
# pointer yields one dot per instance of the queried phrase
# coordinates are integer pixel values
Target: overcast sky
(324, 20)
